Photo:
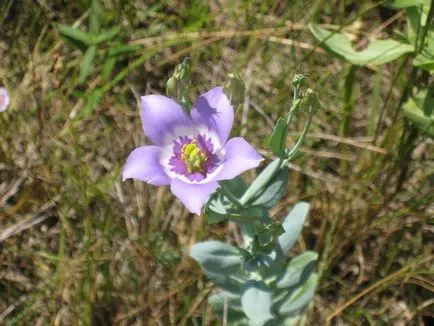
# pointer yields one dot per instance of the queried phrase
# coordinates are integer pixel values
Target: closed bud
(310, 100)
(235, 89)
(299, 80)
(182, 71)
(177, 85)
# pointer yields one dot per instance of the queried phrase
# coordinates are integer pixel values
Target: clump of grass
(77, 246)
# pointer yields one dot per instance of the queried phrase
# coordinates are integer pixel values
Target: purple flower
(4, 99)
(190, 153)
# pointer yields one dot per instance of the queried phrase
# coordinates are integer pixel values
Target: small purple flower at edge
(191, 153)
(4, 99)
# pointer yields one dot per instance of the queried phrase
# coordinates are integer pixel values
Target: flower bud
(177, 85)
(310, 100)
(299, 80)
(235, 89)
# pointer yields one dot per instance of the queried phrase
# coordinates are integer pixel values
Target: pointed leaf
(277, 141)
(94, 19)
(420, 111)
(299, 298)
(273, 191)
(73, 33)
(293, 224)
(108, 67)
(86, 65)
(107, 35)
(261, 181)
(377, 52)
(405, 3)
(299, 269)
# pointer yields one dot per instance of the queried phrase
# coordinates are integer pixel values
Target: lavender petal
(240, 157)
(214, 110)
(160, 116)
(143, 164)
(193, 195)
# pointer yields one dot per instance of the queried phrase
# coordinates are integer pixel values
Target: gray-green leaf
(299, 298)
(293, 224)
(299, 269)
(256, 302)
(277, 141)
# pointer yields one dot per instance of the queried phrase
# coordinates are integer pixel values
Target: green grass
(80, 247)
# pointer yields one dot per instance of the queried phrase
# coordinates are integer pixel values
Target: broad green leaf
(299, 298)
(86, 65)
(217, 257)
(107, 35)
(261, 181)
(235, 312)
(293, 224)
(273, 191)
(425, 59)
(73, 33)
(420, 111)
(298, 269)
(94, 19)
(277, 140)
(256, 302)
(377, 52)
(405, 3)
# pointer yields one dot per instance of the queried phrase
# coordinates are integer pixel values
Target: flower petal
(143, 164)
(193, 195)
(160, 116)
(4, 99)
(214, 109)
(240, 157)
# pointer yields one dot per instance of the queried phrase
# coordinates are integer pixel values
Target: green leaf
(293, 224)
(420, 111)
(377, 52)
(222, 264)
(107, 35)
(86, 65)
(405, 3)
(273, 191)
(425, 59)
(235, 312)
(256, 302)
(217, 257)
(108, 67)
(94, 19)
(261, 181)
(69, 32)
(277, 141)
(124, 49)
(299, 298)
(219, 207)
(92, 103)
(298, 270)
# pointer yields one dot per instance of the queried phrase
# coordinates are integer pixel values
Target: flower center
(194, 157)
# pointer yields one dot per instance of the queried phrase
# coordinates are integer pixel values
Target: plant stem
(228, 193)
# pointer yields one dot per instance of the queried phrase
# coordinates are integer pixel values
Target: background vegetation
(80, 247)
